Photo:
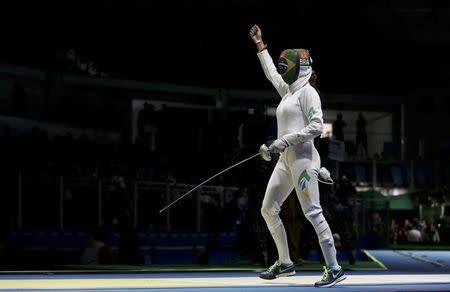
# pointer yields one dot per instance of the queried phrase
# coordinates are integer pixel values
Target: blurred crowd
(74, 62)
(35, 151)
(169, 143)
(176, 140)
(417, 231)
(176, 145)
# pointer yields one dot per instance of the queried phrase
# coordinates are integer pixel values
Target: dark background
(370, 56)
(385, 47)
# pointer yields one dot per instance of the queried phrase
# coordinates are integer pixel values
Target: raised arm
(267, 63)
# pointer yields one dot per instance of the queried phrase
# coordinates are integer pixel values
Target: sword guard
(265, 153)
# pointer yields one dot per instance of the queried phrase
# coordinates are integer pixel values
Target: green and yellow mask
(293, 63)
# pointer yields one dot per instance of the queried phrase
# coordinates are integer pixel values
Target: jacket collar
(300, 82)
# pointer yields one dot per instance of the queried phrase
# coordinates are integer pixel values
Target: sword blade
(217, 174)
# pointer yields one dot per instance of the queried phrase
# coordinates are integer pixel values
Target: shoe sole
(341, 278)
(280, 275)
(286, 274)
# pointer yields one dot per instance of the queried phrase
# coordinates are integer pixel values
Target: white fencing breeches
(298, 168)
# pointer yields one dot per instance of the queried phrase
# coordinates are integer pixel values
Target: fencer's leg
(307, 189)
(278, 189)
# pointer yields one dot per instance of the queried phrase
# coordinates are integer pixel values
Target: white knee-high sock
(328, 249)
(280, 238)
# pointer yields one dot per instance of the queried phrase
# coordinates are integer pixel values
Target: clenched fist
(255, 34)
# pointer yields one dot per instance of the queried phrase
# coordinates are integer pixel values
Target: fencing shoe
(330, 278)
(278, 269)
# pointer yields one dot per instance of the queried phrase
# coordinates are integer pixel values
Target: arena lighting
(385, 191)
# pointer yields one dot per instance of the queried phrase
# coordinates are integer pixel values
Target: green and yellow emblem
(303, 181)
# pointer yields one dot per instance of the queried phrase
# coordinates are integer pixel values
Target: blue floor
(414, 261)
(341, 287)
(397, 262)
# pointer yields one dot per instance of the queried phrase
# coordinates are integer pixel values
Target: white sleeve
(272, 74)
(312, 109)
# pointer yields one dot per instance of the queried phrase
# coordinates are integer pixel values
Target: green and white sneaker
(278, 269)
(330, 278)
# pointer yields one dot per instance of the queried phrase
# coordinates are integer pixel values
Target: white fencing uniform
(299, 121)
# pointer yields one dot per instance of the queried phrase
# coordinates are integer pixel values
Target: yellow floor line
(374, 259)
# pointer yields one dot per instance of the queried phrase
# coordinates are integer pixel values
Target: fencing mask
(294, 63)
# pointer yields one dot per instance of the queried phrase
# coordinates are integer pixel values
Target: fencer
(299, 121)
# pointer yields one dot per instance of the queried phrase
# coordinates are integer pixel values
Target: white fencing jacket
(299, 113)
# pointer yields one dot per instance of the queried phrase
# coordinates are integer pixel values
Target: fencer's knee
(325, 237)
(271, 216)
(265, 212)
(268, 212)
(317, 220)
